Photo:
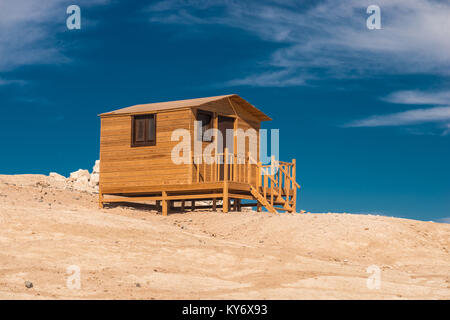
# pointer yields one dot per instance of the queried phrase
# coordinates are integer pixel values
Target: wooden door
(223, 124)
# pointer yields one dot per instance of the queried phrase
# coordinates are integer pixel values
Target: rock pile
(81, 180)
(95, 175)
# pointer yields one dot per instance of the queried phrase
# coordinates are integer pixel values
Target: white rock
(96, 168)
(57, 176)
(81, 184)
(80, 173)
(93, 181)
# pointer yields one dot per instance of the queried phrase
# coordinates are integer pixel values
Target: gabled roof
(151, 107)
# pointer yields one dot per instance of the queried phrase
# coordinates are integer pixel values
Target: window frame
(211, 125)
(146, 142)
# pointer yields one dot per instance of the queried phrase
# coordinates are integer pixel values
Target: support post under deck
(164, 203)
(226, 200)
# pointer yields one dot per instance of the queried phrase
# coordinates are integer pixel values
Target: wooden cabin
(138, 145)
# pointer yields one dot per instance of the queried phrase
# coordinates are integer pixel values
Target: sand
(133, 253)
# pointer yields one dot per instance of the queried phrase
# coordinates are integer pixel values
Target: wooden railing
(278, 175)
(224, 167)
(275, 181)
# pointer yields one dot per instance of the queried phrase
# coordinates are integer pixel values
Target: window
(144, 130)
(205, 118)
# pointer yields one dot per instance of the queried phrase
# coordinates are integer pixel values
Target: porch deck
(231, 177)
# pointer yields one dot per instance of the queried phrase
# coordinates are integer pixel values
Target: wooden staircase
(273, 186)
(263, 201)
(276, 185)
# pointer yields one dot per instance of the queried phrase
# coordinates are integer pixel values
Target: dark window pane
(199, 132)
(205, 124)
(151, 134)
(139, 130)
(144, 130)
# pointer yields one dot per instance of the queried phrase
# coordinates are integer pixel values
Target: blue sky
(366, 113)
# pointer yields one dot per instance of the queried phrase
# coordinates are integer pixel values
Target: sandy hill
(127, 252)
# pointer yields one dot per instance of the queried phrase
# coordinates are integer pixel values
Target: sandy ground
(133, 253)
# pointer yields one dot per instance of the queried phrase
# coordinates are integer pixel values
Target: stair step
(262, 200)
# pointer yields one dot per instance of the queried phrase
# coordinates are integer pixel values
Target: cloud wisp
(438, 114)
(24, 35)
(327, 35)
(281, 78)
(419, 97)
(28, 32)
(330, 39)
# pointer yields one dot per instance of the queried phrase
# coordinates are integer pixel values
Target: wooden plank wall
(124, 166)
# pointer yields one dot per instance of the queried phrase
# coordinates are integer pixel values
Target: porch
(221, 179)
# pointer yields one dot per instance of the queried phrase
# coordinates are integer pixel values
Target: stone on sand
(96, 168)
(80, 173)
(57, 176)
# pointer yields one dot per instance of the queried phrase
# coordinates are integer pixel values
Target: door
(225, 123)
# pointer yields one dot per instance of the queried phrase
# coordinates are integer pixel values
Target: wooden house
(139, 161)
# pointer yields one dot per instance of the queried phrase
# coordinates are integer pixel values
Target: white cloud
(419, 97)
(330, 35)
(446, 131)
(272, 79)
(11, 81)
(24, 38)
(28, 31)
(410, 117)
(439, 114)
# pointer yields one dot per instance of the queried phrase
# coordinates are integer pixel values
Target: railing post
(225, 165)
(272, 174)
(266, 182)
(240, 174)
(272, 165)
(258, 177)
(235, 175)
(280, 179)
(287, 184)
(248, 168)
(294, 167)
(225, 205)
(218, 165)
